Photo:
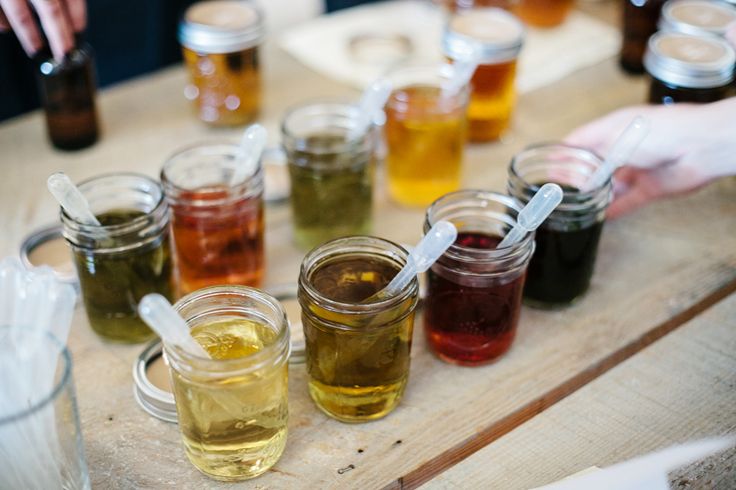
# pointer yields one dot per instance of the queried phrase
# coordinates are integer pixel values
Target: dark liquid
(664, 93)
(331, 190)
(468, 324)
(357, 374)
(640, 22)
(112, 284)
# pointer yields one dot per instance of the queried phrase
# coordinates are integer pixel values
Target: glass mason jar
(474, 290)
(126, 257)
(567, 242)
(220, 41)
(498, 36)
(232, 408)
(68, 91)
(331, 166)
(357, 352)
(685, 68)
(217, 224)
(41, 439)
(697, 17)
(425, 134)
(639, 22)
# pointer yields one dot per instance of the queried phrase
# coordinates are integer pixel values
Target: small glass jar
(331, 167)
(474, 290)
(685, 68)
(567, 241)
(498, 36)
(41, 444)
(233, 407)
(639, 22)
(425, 134)
(68, 91)
(543, 13)
(217, 224)
(357, 352)
(697, 17)
(125, 258)
(220, 41)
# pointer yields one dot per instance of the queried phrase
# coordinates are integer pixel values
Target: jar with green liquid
(126, 257)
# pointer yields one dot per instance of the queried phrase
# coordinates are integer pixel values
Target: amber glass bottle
(640, 22)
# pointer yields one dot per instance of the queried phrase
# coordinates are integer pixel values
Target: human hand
(60, 19)
(688, 146)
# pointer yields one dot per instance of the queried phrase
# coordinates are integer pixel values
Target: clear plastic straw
(371, 103)
(547, 198)
(158, 313)
(69, 197)
(251, 148)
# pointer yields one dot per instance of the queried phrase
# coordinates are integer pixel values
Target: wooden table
(648, 358)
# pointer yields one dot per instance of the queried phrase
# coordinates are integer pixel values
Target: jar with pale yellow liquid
(496, 36)
(232, 408)
(425, 134)
(220, 41)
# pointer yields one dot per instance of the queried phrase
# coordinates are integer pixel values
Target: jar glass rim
(334, 106)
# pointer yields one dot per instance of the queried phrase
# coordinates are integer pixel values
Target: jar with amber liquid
(217, 223)
(425, 134)
(543, 13)
(220, 41)
(232, 407)
(639, 23)
(697, 17)
(496, 36)
(686, 68)
(357, 349)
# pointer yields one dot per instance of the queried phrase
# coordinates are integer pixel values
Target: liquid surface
(112, 284)
(491, 101)
(425, 145)
(233, 426)
(357, 374)
(218, 244)
(331, 190)
(472, 324)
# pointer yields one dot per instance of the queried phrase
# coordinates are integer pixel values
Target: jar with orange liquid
(497, 37)
(543, 13)
(220, 42)
(217, 224)
(425, 134)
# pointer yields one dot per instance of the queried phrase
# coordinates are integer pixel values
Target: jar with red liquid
(474, 294)
(217, 223)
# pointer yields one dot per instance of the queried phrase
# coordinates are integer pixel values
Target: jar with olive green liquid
(124, 258)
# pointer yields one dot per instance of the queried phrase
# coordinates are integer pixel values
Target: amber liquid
(543, 13)
(233, 428)
(639, 23)
(425, 141)
(226, 87)
(358, 374)
(472, 324)
(218, 244)
(491, 101)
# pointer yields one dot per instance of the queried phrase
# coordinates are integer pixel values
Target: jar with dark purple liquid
(567, 241)
(474, 297)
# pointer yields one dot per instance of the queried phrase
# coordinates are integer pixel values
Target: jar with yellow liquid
(496, 36)
(425, 134)
(233, 407)
(357, 351)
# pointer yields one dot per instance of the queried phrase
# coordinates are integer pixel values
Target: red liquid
(218, 244)
(469, 324)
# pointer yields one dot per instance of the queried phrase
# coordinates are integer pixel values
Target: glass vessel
(331, 167)
(543, 13)
(498, 36)
(126, 257)
(567, 242)
(686, 68)
(220, 41)
(474, 290)
(217, 224)
(697, 17)
(357, 351)
(639, 22)
(425, 134)
(233, 407)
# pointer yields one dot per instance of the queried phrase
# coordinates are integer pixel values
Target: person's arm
(60, 19)
(688, 146)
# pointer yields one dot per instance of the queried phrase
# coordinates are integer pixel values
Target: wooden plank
(677, 390)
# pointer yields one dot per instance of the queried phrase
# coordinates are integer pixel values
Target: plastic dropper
(158, 313)
(534, 213)
(462, 72)
(428, 250)
(69, 197)
(249, 152)
(371, 102)
(620, 152)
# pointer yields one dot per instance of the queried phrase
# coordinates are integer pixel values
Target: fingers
(598, 135)
(56, 25)
(77, 10)
(20, 18)
(731, 35)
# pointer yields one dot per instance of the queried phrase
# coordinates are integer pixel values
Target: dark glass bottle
(68, 96)
(639, 22)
